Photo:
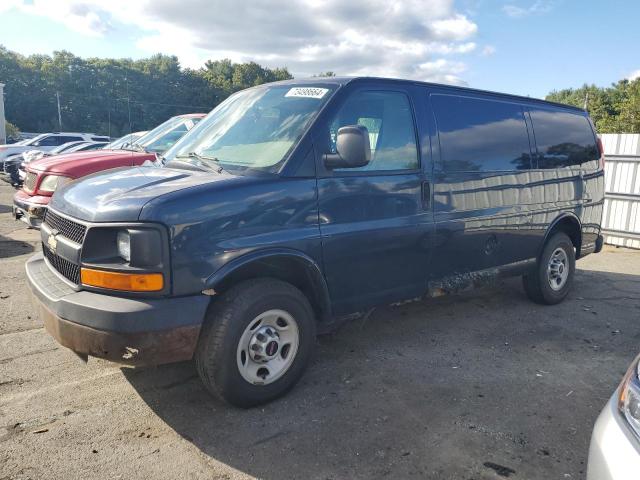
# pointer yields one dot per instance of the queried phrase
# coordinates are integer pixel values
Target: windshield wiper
(139, 148)
(206, 160)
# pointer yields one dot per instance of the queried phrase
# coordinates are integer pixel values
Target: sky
(526, 47)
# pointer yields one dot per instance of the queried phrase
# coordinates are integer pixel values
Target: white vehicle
(614, 453)
(48, 141)
(35, 154)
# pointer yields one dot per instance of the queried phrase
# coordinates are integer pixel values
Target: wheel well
(571, 227)
(295, 271)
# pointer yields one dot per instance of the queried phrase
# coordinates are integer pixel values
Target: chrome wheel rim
(268, 347)
(558, 269)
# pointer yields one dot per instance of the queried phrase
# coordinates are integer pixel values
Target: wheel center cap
(272, 348)
(264, 344)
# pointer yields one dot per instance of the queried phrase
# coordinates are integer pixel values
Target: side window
(388, 119)
(564, 139)
(50, 141)
(69, 139)
(481, 135)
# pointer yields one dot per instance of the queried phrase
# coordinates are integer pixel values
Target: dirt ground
(482, 385)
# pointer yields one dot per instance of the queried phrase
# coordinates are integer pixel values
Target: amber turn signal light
(132, 282)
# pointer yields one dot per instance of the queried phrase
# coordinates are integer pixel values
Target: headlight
(51, 182)
(124, 245)
(629, 399)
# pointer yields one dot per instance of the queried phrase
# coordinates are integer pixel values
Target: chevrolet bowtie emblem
(52, 242)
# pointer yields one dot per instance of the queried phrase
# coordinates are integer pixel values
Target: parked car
(44, 176)
(296, 204)
(10, 168)
(48, 141)
(614, 453)
(35, 154)
(14, 166)
(68, 148)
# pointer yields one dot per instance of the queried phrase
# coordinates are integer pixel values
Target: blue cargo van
(295, 204)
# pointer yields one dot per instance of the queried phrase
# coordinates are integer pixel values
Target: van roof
(345, 80)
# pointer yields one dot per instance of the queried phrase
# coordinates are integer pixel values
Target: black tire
(228, 317)
(536, 283)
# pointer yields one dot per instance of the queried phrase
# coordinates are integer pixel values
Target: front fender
(311, 267)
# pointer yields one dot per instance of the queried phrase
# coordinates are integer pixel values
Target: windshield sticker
(307, 92)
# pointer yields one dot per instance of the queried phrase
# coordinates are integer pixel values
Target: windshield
(166, 134)
(34, 139)
(65, 146)
(120, 142)
(255, 128)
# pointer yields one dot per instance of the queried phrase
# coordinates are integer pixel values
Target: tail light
(601, 148)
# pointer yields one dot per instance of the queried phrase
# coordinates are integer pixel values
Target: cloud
(537, 8)
(634, 75)
(372, 37)
(78, 16)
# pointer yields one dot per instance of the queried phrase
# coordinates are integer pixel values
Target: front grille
(30, 181)
(69, 270)
(68, 228)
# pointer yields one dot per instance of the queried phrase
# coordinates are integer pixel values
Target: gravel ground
(481, 385)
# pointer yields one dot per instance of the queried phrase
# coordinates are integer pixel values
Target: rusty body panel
(135, 349)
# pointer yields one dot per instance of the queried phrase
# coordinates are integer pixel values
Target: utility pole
(59, 114)
(3, 131)
(126, 81)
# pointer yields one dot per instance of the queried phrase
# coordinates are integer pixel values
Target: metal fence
(621, 214)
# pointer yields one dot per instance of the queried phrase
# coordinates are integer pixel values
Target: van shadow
(435, 389)
(13, 248)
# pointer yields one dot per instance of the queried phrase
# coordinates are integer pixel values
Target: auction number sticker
(307, 92)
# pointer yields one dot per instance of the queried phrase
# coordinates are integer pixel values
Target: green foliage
(325, 74)
(615, 109)
(11, 130)
(101, 95)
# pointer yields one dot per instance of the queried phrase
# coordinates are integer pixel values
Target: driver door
(375, 223)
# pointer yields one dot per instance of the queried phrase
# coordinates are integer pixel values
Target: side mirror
(353, 148)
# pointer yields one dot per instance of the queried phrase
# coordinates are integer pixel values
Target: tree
(615, 109)
(114, 96)
(228, 77)
(11, 130)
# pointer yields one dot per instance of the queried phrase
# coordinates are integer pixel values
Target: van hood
(119, 195)
(78, 164)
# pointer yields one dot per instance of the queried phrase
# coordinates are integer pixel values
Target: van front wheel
(256, 342)
(550, 281)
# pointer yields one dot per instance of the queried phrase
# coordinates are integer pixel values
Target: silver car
(614, 453)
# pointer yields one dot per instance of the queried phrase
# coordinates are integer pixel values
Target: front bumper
(29, 209)
(125, 330)
(614, 453)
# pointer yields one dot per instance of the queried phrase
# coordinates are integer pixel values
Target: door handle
(426, 194)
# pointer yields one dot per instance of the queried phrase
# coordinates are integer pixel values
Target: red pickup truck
(44, 176)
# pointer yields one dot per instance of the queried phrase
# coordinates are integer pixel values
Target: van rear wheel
(550, 281)
(256, 342)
